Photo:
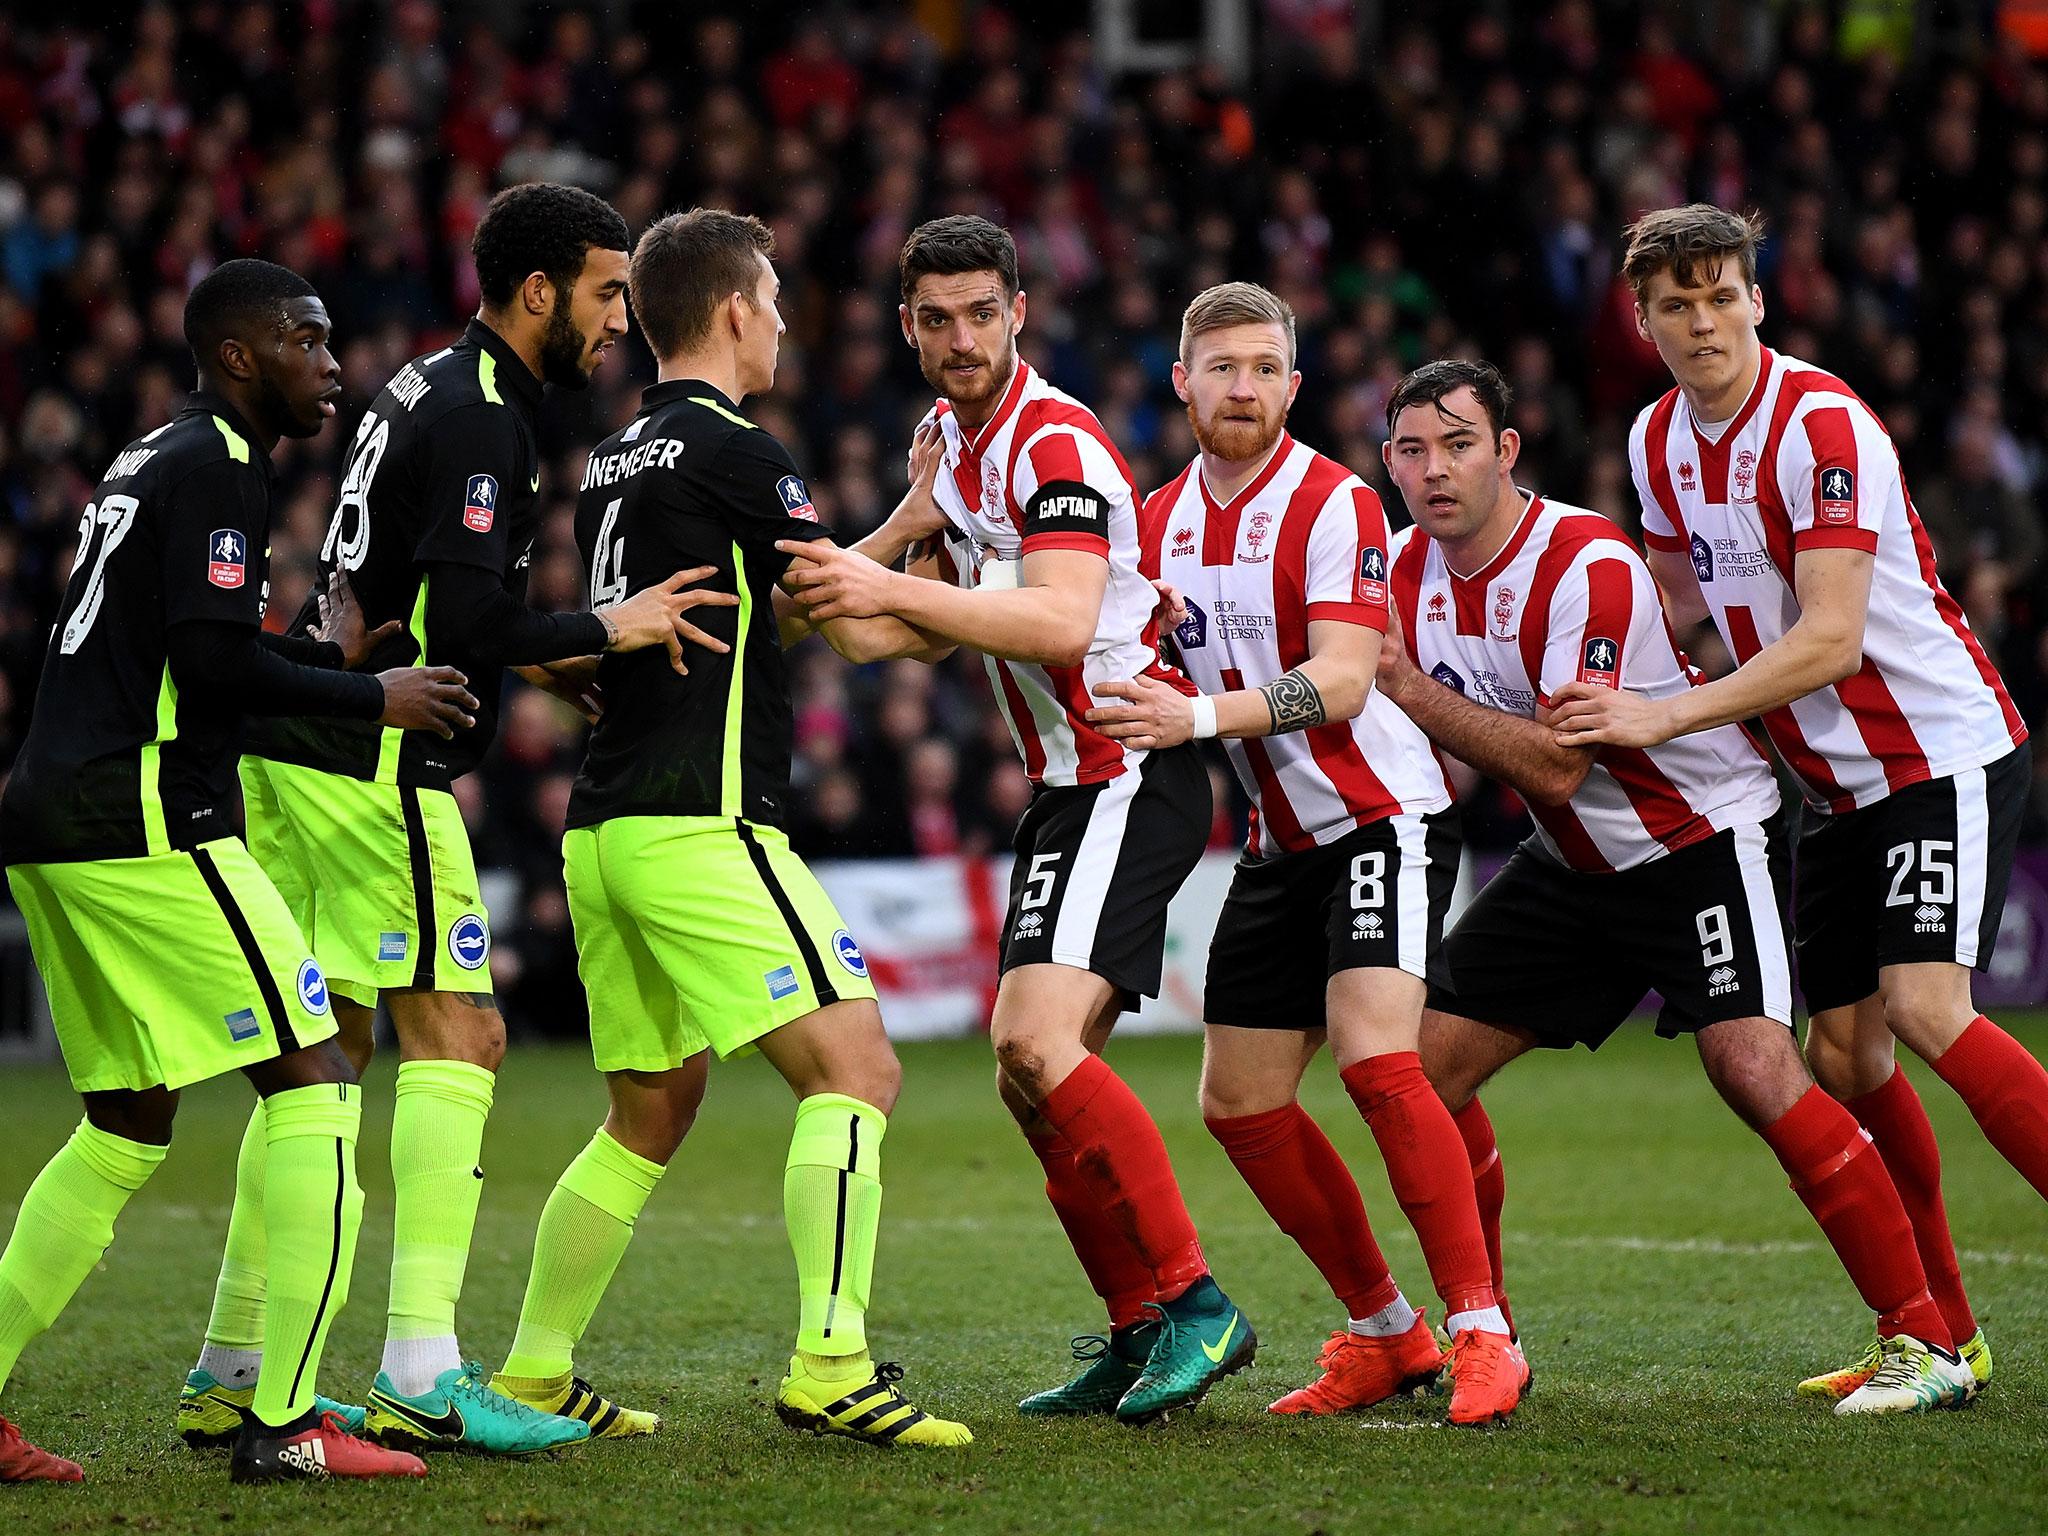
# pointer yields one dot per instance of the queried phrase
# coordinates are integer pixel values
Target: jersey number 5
(111, 520)
(348, 536)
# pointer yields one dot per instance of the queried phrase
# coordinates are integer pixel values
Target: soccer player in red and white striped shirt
(1773, 503)
(1651, 867)
(1280, 557)
(1038, 569)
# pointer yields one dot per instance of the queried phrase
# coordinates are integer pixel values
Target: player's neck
(1711, 410)
(1469, 556)
(720, 371)
(976, 414)
(524, 340)
(1226, 477)
(261, 431)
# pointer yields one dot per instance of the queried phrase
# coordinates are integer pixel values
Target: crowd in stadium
(1410, 195)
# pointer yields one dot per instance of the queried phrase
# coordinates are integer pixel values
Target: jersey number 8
(348, 538)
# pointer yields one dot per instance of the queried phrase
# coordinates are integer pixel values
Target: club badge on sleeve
(227, 558)
(480, 504)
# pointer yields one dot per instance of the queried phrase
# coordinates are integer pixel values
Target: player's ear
(1510, 449)
(1643, 322)
(236, 360)
(1756, 304)
(537, 294)
(1293, 387)
(1180, 380)
(903, 319)
(1017, 313)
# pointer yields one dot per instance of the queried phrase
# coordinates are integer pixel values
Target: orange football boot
(21, 1462)
(1359, 1371)
(1488, 1377)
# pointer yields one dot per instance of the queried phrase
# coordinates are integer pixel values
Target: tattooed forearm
(1293, 702)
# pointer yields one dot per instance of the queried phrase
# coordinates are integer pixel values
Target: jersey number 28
(348, 536)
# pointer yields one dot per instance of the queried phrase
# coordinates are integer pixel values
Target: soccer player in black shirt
(168, 956)
(697, 930)
(437, 516)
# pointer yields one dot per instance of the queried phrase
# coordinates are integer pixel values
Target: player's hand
(1588, 715)
(835, 583)
(573, 681)
(1172, 609)
(341, 620)
(917, 516)
(654, 616)
(427, 699)
(1147, 713)
(1396, 670)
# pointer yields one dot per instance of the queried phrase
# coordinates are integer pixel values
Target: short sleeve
(474, 458)
(1658, 531)
(1348, 564)
(215, 532)
(1064, 482)
(1596, 615)
(1833, 468)
(761, 492)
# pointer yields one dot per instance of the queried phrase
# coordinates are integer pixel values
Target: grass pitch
(1670, 1289)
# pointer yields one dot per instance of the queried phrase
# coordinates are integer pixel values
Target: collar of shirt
(669, 391)
(205, 402)
(513, 374)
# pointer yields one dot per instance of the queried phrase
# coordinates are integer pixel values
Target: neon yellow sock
(236, 1322)
(832, 1204)
(583, 1233)
(312, 1209)
(65, 1223)
(437, 1138)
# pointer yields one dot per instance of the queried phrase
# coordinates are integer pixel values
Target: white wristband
(1205, 716)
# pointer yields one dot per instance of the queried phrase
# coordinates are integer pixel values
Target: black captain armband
(1066, 508)
(1293, 702)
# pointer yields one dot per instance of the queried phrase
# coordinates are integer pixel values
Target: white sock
(413, 1364)
(237, 1368)
(1485, 1319)
(1390, 1322)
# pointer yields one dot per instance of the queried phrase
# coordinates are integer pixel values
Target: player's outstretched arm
(1047, 618)
(228, 661)
(1523, 754)
(1332, 684)
(1823, 646)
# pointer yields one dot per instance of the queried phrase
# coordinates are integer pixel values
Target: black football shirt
(445, 467)
(689, 481)
(117, 764)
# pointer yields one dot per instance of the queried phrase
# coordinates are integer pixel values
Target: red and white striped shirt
(1806, 465)
(1040, 436)
(1568, 599)
(1305, 539)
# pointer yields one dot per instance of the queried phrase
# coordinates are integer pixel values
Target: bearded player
(1038, 570)
(1280, 555)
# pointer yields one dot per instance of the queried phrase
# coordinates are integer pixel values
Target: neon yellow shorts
(699, 931)
(171, 968)
(380, 877)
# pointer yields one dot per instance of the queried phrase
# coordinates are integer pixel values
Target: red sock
(1897, 1123)
(1305, 1187)
(1431, 1175)
(1490, 1186)
(1112, 1265)
(1841, 1179)
(2007, 1090)
(1120, 1157)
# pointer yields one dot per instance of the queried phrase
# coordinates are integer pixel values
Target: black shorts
(1375, 897)
(1569, 956)
(1921, 875)
(1097, 865)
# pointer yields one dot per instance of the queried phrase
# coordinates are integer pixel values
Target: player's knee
(1928, 1023)
(1023, 1064)
(143, 1116)
(1757, 1070)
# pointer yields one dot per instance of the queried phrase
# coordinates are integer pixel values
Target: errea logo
(1928, 918)
(1367, 925)
(1722, 979)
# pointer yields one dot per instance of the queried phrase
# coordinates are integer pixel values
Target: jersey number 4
(608, 560)
(100, 531)
(348, 536)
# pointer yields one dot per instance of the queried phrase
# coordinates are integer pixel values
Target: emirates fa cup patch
(1601, 665)
(1835, 506)
(796, 500)
(480, 504)
(227, 558)
(1372, 576)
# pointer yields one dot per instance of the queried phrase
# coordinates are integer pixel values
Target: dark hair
(242, 299)
(1690, 243)
(688, 264)
(541, 227)
(1429, 384)
(960, 242)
